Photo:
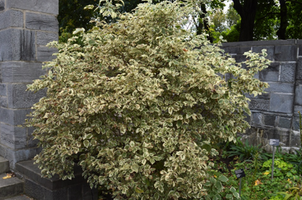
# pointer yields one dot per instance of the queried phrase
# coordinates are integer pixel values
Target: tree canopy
(269, 19)
(258, 19)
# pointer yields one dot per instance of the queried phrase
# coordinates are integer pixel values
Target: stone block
(270, 74)
(295, 139)
(297, 109)
(75, 192)
(54, 188)
(20, 72)
(262, 96)
(296, 124)
(257, 75)
(257, 119)
(270, 133)
(34, 190)
(2, 88)
(3, 102)
(44, 38)
(235, 49)
(88, 193)
(299, 66)
(11, 18)
(31, 171)
(269, 120)
(15, 156)
(13, 137)
(270, 50)
(298, 95)
(239, 58)
(10, 187)
(46, 54)
(281, 103)
(286, 53)
(259, 104)
(261, 43)
(283, 137)
(13, 116)
(42, 22)
(284, 122)
(2, 5)
(247, 118)
(31, 142)
(18, 97)
(288, 72)
(228, 76)
(3, 150)
(4, 165)
(17, 44)
(46, 6)
(280, 87)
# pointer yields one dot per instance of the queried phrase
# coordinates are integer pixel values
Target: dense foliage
(139, 103)
(258, 182)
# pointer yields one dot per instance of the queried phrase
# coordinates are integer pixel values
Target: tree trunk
(247, 12)
(203, 24)
(283, 20)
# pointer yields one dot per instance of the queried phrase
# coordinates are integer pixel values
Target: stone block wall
(26, 26)
(275, 113)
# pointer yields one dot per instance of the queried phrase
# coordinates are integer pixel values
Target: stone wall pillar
(26, 26)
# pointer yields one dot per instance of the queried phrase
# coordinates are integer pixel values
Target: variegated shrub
(139, 102)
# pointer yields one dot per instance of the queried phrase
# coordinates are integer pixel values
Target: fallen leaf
(9, 175)
(258, 182)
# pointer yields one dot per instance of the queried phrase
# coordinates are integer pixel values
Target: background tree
(226, 25)
(266, 20)
(294, 16)
(247, 10)
(232, 16)
(218, 20)
(259, 19)
(72, 16)
(201, 19)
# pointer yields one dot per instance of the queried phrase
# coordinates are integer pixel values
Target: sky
(227, 5)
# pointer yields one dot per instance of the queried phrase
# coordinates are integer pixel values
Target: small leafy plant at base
(281, 168)
(258, 184)
(244, 151)
(277, 197)
(216, 190)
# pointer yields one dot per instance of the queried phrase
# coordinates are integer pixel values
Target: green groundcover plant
(138, 102)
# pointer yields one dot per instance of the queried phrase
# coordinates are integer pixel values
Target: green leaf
(233, 190)
(229, 196)
(138, 190)
(223, 178)
(218, 186)
(89, 7)
(86, 143)
(135, 167)
(236, 195)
